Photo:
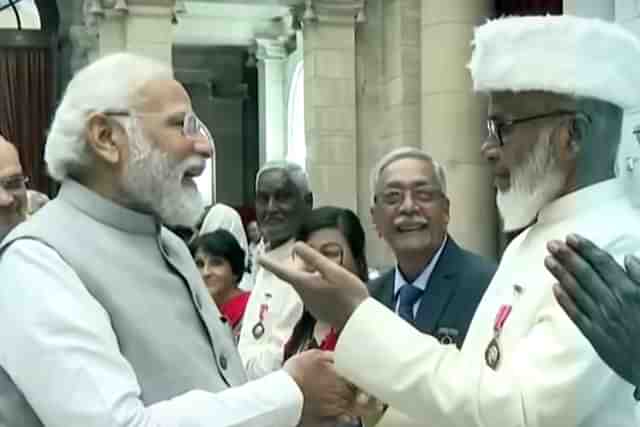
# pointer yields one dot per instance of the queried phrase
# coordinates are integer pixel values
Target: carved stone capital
(338, 11)
(270, 49)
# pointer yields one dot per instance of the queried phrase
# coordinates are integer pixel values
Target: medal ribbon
(263, 309)
(501, 317)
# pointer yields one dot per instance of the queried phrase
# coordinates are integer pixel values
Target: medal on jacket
(493, 353)
(258, 328)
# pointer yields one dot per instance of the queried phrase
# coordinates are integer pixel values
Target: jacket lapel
(440, 289)
(386, 296)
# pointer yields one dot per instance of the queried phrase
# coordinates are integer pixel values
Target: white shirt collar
(423, 279)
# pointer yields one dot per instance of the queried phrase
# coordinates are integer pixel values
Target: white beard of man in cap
(532, 185)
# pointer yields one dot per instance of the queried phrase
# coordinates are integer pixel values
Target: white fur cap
(561, 54)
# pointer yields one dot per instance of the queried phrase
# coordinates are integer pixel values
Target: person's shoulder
(476, 264)
(375, 285)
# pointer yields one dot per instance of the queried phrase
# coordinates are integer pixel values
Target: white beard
(154, 182)
(533, 185)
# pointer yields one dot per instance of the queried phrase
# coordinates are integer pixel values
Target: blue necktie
(407, 297)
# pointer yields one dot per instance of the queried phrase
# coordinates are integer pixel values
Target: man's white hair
(406, 153)
(293, 170)
(109, 83)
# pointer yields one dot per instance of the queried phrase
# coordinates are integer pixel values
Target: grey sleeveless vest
(167, 327)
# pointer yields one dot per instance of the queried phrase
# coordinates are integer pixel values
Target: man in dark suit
(436, 285)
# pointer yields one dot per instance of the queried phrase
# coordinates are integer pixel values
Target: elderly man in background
(115, 326)
(436, 285)
(553, 138)
(13, 190)
(283, 199)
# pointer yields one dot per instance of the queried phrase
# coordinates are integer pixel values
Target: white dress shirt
(281, 309)
(421, 282)
(549, 375)
(60, 350)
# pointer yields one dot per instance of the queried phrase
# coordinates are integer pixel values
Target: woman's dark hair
(221, 243)
(349, 225)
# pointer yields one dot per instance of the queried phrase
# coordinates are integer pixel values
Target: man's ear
(568, 138)
(447, 215)
(374, 220)
(100, 137)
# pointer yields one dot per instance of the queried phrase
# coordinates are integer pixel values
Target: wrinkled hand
(327, 397)
(330, 292)
(602, 299)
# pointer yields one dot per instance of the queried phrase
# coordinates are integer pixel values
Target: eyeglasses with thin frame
(496, 126)
(192, 126)
(13, 184)
(424, 195)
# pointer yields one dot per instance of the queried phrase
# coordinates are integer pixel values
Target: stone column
(453, 118)
(603, 9)
(402, 74)
(144, 27)
(330, 102)
(271, 55)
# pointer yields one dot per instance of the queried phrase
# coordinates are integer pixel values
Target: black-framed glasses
(496, 126)
(14, 183)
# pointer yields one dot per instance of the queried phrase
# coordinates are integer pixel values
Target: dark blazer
(453, 293)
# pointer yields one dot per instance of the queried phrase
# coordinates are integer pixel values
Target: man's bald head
(13, 194)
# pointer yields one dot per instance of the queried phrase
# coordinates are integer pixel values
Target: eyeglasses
(13, 184)
(192, 126)
(497, 126)
(394, 197)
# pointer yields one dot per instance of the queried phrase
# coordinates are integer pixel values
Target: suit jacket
(453, 293)
(548, 375)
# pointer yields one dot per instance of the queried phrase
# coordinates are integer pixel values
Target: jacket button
(223, 362)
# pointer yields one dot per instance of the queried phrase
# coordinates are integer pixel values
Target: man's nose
(408, 204)
(490, 149)
(204, 148)
(271, 204)
(6, 198)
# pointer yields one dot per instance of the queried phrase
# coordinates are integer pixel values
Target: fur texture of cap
(560, 54)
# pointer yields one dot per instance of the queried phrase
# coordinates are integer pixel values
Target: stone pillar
(402, 73)
(330, 102)
(453, 118)
(144, 27)
(603, 9)
(271, 55)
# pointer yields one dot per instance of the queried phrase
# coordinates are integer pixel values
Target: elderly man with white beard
(104, 318)
(557, 87)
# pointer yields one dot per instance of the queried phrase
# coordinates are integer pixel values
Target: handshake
(328, 398)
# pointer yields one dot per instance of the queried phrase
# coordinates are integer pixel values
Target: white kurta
(549, 376)
(281, 309)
